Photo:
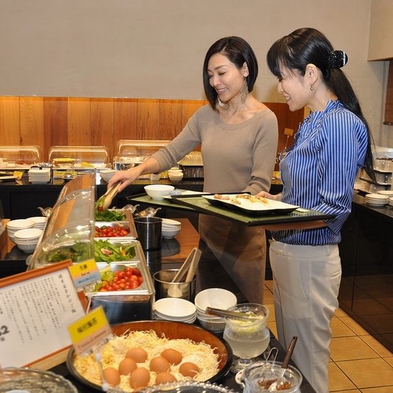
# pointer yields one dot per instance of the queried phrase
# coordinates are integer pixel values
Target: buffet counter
(366, 254)
(166, 258)
(21, 198)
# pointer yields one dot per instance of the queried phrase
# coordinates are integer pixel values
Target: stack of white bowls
(39, 221)
(39, 176)
(27, 239)
(170, 228)
(16, 225)
(175, 309)
(175, 175)
(377, 199)
(216, 298)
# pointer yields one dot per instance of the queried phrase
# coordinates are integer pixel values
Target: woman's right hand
(130, 175)
(264, 194)
(126, 178)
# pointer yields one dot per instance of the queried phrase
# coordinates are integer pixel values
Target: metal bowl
(171, 330)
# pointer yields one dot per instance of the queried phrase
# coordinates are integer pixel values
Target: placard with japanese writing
(36, 308)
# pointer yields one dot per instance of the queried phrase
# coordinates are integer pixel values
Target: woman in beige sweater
(238, 138)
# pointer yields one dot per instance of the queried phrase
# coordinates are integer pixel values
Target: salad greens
(109, 215)
(105, 251)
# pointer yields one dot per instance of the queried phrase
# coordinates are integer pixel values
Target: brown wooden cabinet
(388, 119)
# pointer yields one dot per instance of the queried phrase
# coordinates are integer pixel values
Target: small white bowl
(169, 233)
(39, 221)
(175, 178)
(217, 326)
(107, 174)
(168, 221)
(215, 297)
(27, 234)
(27, 247)
(20, 224)
(175, 307)
(158, 191)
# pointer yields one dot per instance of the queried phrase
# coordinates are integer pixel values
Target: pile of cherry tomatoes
(111, 231)
(129, 278)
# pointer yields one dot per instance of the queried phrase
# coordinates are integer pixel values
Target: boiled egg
(111, 376)
(139, 378)
(138, 354)
(173, 356)
(159, 364)
(127, 366)
(165, 377)
(189, 369)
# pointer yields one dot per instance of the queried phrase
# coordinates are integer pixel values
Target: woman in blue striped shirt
(317, 173)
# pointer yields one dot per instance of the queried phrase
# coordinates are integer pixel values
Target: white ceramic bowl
(107, 174)
(29, 234)
(174, 307)
(215, 297)
(169, 222)
(39, 221)
(169, 233)
(27, 247)
(20, 224)
(16, 225)
(158, 191)
(213, 325)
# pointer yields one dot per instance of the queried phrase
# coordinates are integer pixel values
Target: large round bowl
(171, 330)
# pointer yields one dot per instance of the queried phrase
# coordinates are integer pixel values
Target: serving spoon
(274, 387)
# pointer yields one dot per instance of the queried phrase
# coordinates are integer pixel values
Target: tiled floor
(358, 362)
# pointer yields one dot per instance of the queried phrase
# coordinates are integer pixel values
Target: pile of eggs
(140, 376)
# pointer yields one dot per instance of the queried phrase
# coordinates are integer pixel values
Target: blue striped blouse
(319, 172)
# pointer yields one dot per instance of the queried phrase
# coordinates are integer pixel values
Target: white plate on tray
(249, 205)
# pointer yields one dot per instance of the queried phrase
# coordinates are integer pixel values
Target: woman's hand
(130, 175)
(276, 197)
(125, 177)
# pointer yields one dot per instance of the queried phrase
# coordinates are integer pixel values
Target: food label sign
(35, 309)
(90, 330)
(85, 273)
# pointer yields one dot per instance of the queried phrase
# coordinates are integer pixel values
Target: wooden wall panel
(9, 121)
(102, 113)
(62, 121)
(55, 123)
(79, 122)
(32, 121)
(124, 121)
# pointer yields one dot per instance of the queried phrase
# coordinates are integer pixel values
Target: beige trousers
(241, 251)
(306, 284)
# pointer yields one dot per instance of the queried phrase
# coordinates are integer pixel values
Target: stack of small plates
(39, 176)
(377, 199)
(175, 309)
(391, 201)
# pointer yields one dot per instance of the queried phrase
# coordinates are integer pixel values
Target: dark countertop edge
(385, 212)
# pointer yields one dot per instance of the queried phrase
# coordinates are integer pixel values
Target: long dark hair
(308, 45)
(238, 51)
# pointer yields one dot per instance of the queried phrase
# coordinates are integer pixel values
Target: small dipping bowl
(259, 376)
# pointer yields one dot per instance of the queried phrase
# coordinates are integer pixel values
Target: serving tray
(250, 204)
(279, 216)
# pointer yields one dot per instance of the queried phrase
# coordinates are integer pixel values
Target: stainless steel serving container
(128, 305)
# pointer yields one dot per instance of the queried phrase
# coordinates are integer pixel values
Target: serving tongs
(241, 316)
(105, 200)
